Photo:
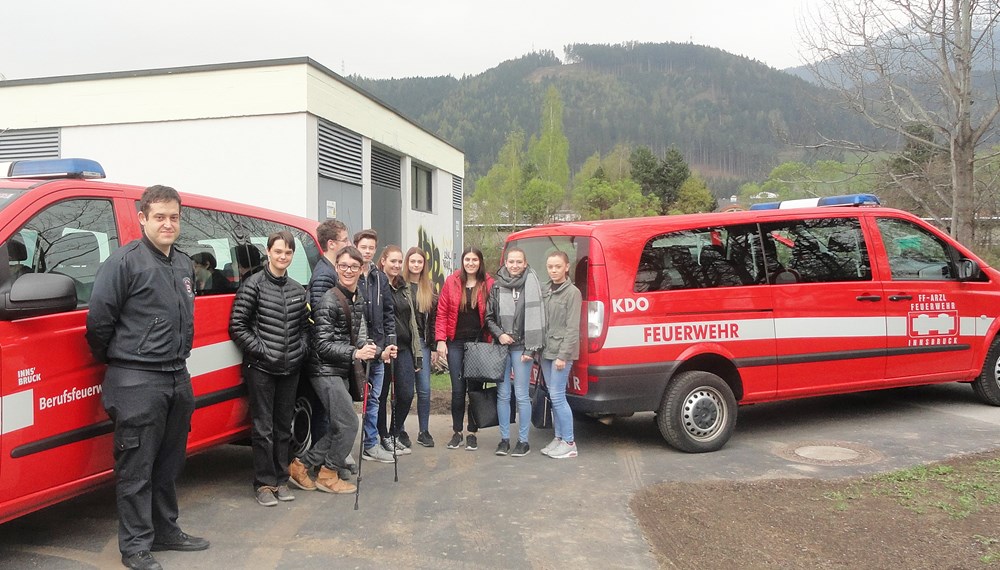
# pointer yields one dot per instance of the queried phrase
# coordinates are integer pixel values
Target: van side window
(72, 238)
(914, 253)
(817, 251)
(700, 258)
(227, 248)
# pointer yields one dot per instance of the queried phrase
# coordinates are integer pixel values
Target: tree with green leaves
(550, 151)
(598, 199)
(693, 197)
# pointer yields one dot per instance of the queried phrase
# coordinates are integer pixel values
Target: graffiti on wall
(439, 261)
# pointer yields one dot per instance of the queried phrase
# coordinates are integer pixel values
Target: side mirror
(36, 294)
(968, 270)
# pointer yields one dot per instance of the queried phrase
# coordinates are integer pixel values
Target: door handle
(872, 298)
(900, 297)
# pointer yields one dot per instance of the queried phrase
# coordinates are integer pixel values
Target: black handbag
(484, 362)
(541, 405)
(483, 407)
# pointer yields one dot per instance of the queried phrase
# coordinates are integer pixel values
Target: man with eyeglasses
(332, 235)
(380, 311)
(339, 326)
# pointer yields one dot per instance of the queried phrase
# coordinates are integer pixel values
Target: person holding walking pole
(407, 361)
(339, 323)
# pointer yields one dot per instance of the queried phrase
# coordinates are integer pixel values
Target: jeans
(332, 449)
(423, 385)
(272, 402)
(376, 373)
(459, 387)
(522, 375)
(402, 399)
(555, 381)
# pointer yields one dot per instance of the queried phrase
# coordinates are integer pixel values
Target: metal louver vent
(339, 153)
(34, 143)
(386, 169)
(456, 192)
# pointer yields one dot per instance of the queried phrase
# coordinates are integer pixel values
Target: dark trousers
(151, 412)
(272, 403)
(459, 387)
(403, 375)
(332, 449)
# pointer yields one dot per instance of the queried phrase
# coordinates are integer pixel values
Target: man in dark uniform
(141, 323)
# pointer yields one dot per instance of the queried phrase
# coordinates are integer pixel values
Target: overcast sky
(391, 38)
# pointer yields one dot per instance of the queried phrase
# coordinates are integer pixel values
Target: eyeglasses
(348, 268)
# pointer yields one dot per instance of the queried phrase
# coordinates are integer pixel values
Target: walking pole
(361, 446)
(392, 411)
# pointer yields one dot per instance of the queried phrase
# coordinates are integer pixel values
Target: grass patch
(441, 382)
(958, 492)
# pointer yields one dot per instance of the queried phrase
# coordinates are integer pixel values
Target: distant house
(285, 134)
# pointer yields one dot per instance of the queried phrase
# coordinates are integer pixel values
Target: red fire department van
(56, 228)
(689, 316)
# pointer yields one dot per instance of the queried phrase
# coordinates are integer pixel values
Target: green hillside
(732, 117)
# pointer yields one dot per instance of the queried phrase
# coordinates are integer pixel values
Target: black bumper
(623, 389)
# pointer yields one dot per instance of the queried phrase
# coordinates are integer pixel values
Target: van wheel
(698, 412)
(301, 426)
(987, 384)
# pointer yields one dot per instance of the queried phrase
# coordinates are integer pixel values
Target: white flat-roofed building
(286, 134)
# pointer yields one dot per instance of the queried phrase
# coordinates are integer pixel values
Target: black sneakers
(503, 448)
(183, 542)
(471, 443)
(404, 438)
(141, 560)
(424, 438)
(456, 441)
(521, 449)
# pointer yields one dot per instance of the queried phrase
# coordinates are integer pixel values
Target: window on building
(421, 195)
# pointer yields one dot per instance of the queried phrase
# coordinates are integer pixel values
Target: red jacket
(448, 302)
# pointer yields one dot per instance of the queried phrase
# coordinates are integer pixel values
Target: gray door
(387, 208)
(342, 201)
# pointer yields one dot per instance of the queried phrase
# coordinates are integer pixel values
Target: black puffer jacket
(269, 323)
(331, 339)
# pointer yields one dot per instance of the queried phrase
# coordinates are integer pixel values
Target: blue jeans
(522, 376)
(376, 373)
(555, 381)
(424, 390)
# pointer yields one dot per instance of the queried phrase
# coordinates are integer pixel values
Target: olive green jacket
(562, 318)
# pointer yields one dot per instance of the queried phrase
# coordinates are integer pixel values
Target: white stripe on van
(213, 357)
(651, 334)
(17, 410)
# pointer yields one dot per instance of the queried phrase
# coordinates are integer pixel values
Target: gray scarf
(530, 291)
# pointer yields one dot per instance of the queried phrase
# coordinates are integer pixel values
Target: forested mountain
(731, 117)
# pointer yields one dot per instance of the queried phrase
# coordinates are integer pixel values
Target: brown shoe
(329, 482)
(298, 475)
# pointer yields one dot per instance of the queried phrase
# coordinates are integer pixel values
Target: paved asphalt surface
(464, 509)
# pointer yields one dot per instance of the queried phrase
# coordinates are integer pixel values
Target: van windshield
(537, 249)
(8, 195)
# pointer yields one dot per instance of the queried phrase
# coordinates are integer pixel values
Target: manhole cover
(831, 453)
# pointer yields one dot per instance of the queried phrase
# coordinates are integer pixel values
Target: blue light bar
(56, 168)
(846, 200)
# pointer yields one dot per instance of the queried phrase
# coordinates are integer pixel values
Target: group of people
(356, 318)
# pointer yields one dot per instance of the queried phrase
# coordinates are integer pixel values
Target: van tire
(301, 426)
(698, 412)
(987, 384)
